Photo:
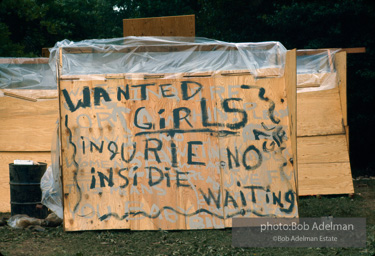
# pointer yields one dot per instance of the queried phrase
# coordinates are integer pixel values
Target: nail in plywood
(182, 153)
(160, 26)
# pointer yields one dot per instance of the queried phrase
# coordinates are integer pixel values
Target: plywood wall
(25, 132)
(323, 139)
(28, 120)
(177, 153)
(160, 26)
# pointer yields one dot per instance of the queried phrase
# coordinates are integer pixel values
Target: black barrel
(25, 192)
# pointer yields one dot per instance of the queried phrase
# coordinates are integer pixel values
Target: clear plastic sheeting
(50, 183)
(155, 55)
(26, 73)
(316, 70)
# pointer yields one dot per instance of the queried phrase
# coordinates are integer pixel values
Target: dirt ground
(54, 241)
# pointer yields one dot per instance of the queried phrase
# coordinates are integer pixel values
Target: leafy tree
(26, 26)
(339, 24)
(19, 27)
(310, 25)
(8, 48)
(35, 24)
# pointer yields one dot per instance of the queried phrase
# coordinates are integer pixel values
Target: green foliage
(234, 20)
(27, 26)
(317, 24)
(151, 8)
(338, 24)
(8, 48)
(35, 24)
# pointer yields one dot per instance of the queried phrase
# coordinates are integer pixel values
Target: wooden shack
(322, 127)
(149, 151)
(28, 119)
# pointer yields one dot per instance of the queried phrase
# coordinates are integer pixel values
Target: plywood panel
(325, 179)
(323, 156)
(323, 149)
(93, 160)
(160, 26)
(319, 113)
(26, 125)
(5, 159)
(150, 154)
(188, 172)
(262, 152)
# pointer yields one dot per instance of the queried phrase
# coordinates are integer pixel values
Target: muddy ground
(54, 241)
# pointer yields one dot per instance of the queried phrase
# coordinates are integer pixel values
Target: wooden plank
(36, 94)
(190, 170)
(14, 95)
(161, 136)
(303, 52)
(27, 126)
(325, 179)
(317, 51)
(5, 159)
(324, 166)
(258, 147)
(319, 113)
(313, 80)
(291, 98)
(11, 107)
(323, 149)
(24, 61)
(160, 26)
(92, 162)
(354, 50)
(260, 73)
(340, 61)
